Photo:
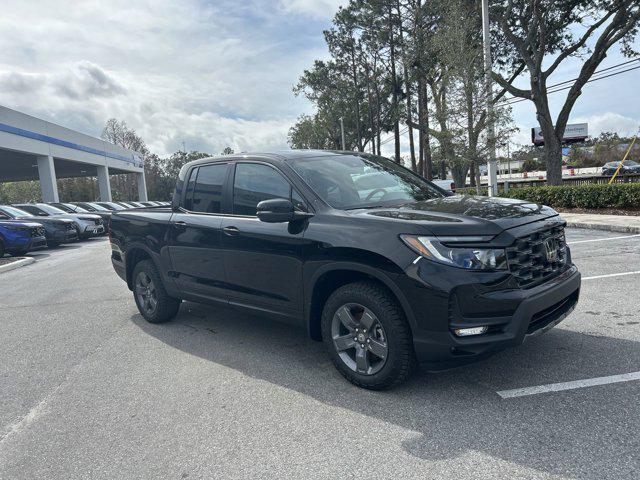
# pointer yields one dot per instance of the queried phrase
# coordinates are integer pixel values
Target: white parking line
(557, 387)
(602, 239)
(611, 275)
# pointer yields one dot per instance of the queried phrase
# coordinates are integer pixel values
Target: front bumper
(63, 236)
(512, 315)
(28, 244)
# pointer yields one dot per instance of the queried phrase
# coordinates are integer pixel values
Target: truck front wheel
(367, 336)
(153, 302)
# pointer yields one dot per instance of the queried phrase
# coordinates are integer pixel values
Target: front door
(263, 260)
(195, 236)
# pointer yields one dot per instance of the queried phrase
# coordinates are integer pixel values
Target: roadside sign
(574, 132)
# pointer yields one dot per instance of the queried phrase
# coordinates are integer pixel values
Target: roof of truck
(274, 155)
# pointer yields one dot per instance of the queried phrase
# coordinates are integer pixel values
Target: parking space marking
(611, 275)
(602, 239)
(558, 387)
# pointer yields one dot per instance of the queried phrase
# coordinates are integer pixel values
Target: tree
(227, 151)
(541, 35)
(124, 186)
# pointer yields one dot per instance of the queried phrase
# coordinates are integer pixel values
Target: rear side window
(207, 189)
(254, 183)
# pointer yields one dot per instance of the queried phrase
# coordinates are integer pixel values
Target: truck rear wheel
(153, 302)
(367, 336)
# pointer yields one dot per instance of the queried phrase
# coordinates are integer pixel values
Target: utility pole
(492, 179)
(342, 131)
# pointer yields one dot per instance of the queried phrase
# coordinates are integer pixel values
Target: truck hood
(465, 214)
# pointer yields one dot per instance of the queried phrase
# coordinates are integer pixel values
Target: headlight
(463, 257)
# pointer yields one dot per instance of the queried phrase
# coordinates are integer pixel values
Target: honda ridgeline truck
(385, 268)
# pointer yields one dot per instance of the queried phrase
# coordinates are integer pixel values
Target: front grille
(538, 256)
(98, 221)
(37, 232)
(70, 226)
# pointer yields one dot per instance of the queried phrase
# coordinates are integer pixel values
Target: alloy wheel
(146, 293)
(359, 339)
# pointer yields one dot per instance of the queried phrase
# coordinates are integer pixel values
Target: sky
(206, 74)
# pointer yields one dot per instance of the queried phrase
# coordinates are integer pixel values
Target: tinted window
(361, 181)
(34, 210)
(207, 192)
(254, 183)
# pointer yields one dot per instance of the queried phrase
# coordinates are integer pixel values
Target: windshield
(115, 206)
(100, 208)
(362, 181)
(50, 210)
(16, 212)
(74, 208)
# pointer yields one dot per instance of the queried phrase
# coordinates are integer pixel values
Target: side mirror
(279, 210)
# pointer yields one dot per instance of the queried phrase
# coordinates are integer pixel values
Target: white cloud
(313, 8)
(610, 122)
(208, 74)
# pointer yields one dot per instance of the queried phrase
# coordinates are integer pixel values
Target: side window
(254, 183)
(298, 202)
(207, 190)
(188, 199)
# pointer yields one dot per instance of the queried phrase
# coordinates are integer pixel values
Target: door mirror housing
(279, 210)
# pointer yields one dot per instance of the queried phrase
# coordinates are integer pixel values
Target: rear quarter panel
(145, 229)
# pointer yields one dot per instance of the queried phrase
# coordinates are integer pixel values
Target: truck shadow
(454, 412)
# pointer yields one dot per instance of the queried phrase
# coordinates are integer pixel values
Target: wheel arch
(134, 255)
(328, 278)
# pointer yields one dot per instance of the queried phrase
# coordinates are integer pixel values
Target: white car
(447, 185)
(87, 224)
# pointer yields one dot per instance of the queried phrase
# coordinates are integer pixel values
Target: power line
(554, 89)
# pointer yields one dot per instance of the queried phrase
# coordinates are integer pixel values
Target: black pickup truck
(385, 268)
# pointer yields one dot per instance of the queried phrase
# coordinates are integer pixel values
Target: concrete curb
(605, 227)
(17, 264)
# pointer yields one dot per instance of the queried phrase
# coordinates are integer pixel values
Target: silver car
(87, 224)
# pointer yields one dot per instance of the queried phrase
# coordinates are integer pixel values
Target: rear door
(263, 260)
(195, 235)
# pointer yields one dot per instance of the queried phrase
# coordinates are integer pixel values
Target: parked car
(57, 230)
(76, 208)
(129, 205)
(18, 238)
(447, 185)
(628, 166)
(87, 224)
(386, 278)
(112, 206)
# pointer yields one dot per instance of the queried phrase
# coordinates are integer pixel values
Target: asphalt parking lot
(90, 390)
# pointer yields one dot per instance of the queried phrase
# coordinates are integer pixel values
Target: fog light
(467, 332)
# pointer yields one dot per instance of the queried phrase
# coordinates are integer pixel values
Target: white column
(103, 183)
(142, 187)
(48, 183)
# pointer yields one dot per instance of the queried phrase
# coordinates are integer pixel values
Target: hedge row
(625, 195)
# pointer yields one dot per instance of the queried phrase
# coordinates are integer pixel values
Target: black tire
(1, 249)
(399, 360)
(166, 307)
(20, 253)
(53, 244)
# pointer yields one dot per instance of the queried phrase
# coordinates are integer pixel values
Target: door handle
(231, 231)
(180, 225)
